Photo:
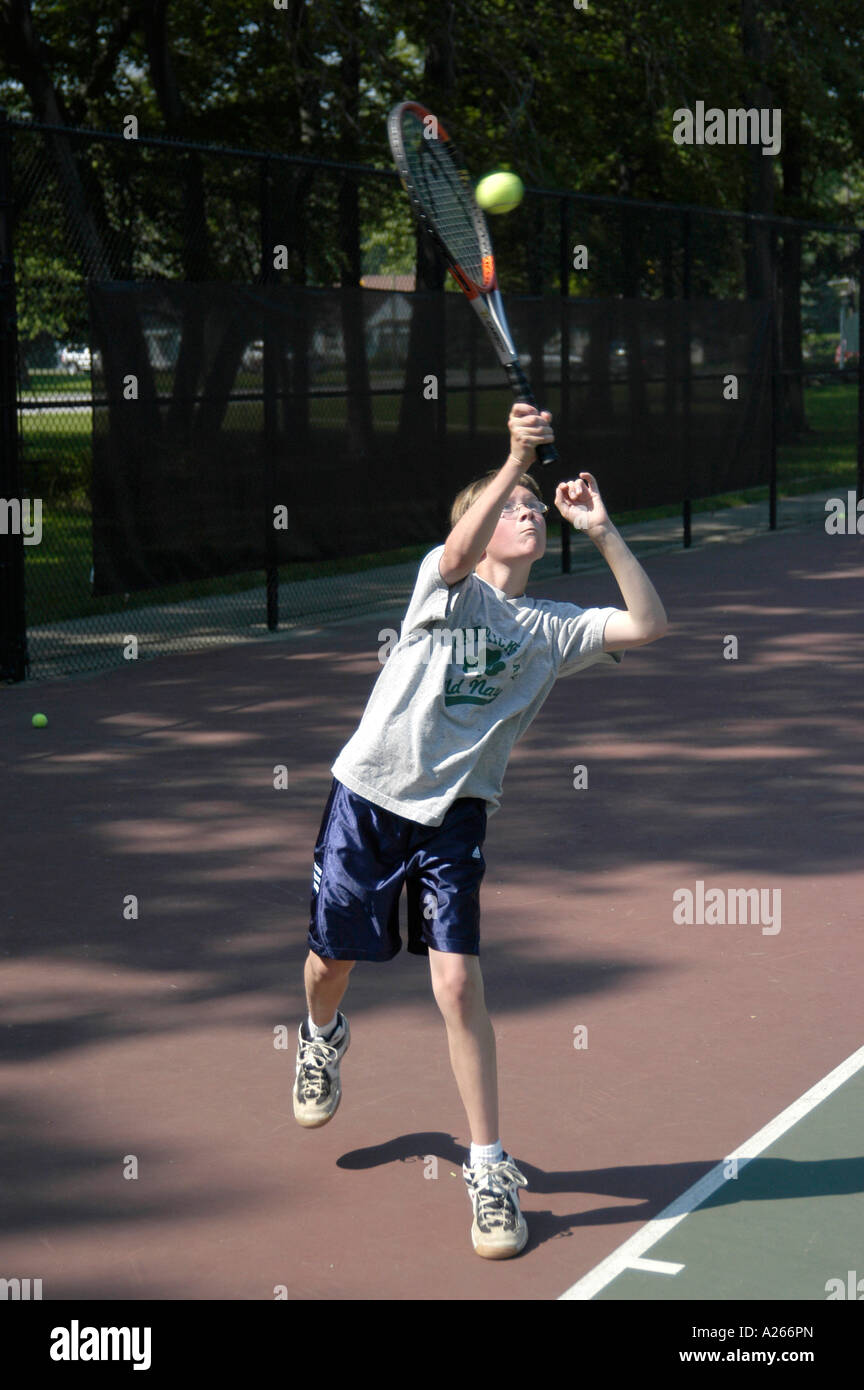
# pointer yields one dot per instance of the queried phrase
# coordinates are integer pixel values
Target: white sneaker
(317, 1085)
(499, 1229)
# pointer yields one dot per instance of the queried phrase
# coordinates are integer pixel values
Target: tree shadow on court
(57, 1184)
(157, 784)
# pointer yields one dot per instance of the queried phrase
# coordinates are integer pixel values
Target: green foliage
(579, 99)
(49, 296)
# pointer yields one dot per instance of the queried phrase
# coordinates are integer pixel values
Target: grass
(51, 381)
(57, 454)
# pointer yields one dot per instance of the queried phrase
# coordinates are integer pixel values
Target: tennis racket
(441, 194)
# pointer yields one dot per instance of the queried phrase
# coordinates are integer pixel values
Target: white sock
(488, 1153)
(326, 1028)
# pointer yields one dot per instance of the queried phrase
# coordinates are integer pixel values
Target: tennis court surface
(155, 907)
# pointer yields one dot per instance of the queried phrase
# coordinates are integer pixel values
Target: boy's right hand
(528, 428)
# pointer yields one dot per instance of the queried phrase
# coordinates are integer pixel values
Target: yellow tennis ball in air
(500, 192)
(39, 721)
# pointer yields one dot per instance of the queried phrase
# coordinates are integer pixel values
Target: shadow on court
(157, 888)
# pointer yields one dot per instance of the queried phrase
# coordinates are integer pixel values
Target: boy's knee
(456, 979)
(326, 965)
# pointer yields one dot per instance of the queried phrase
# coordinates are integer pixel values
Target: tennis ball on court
(501, 192)
(39, 721)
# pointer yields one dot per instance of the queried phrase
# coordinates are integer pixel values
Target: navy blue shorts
(365, 854)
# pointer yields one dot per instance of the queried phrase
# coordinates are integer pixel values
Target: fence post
(859, 491)
(14, 661)
(777, 394)
(564, 206)
(686, 384)
(439, 309)
(270, 378)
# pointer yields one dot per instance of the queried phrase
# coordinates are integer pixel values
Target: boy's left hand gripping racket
(442, 197)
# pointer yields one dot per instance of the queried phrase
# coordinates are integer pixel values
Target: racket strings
(442, 189)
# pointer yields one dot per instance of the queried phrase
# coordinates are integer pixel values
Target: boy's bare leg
(326, 982)
(458, 988)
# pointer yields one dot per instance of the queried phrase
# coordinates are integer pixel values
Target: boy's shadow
(650, 1187)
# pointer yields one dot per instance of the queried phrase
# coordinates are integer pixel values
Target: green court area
(789, 1226)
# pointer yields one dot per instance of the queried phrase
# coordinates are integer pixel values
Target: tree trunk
(757, 48)
(426, 334)
(359, 402)
(304, 114)
(24, 59)
(196, 257)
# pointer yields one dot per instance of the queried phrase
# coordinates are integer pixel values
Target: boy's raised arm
(465, 544)
(644, 620)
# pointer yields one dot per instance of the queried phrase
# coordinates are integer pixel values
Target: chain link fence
(602, 295)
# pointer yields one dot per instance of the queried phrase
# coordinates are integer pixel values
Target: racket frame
(485, 299)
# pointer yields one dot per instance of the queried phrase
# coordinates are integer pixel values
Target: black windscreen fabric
(361, 413)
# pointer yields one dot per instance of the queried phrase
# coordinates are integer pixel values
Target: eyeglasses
(511, 508)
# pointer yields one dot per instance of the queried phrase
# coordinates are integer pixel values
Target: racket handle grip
(546, 453)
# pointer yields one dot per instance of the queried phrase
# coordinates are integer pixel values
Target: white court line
(654, 1266)
(628, 1254)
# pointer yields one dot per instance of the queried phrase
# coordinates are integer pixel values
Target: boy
(412, 788)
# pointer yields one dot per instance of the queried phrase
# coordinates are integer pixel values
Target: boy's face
(521, 533)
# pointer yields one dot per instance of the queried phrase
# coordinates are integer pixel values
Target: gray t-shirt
(438, 725)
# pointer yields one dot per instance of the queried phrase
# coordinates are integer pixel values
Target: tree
(580, 100)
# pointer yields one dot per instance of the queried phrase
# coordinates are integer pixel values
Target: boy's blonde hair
(468, 496)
